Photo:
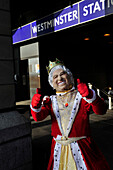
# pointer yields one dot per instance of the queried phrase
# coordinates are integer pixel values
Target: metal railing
(105, 93)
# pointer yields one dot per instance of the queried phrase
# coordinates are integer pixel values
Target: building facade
(80, 34)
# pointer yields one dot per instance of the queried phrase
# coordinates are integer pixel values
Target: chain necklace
(65, 106)
(66, 99)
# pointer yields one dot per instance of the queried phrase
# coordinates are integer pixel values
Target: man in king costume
(73, 147)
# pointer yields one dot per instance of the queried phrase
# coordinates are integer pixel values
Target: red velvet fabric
(93, 157)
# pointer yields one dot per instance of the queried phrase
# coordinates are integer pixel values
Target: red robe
(93, 158)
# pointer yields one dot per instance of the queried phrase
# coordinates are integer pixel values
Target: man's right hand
(37, 99)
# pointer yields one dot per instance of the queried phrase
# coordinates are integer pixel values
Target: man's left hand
(84, 90)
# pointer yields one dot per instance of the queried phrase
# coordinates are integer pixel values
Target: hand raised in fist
(37, 99)
(84, 90)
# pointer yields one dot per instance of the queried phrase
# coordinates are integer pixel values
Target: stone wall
(7, 88)
(15, 129)
(15, 142)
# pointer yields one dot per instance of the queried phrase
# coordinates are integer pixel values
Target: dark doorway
(22, 87)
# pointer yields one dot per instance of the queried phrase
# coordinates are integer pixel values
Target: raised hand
(83, 89)
(37, 99)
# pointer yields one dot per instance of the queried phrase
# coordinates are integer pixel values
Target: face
(61, 80)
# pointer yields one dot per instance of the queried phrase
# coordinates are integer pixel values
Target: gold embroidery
(66, 159)
(65, 112)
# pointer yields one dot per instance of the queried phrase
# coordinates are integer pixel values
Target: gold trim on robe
(66, 159)
(65, 115)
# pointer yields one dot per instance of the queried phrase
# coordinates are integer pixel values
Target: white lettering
(56, 21)
(103, 4)
(49, 24)
(38, 27)
(75, 15)
(93, 7)
(45, 25)
(90, 7)
(42, 27)
(108, 4)
(111, 2)
(96, 7)
(34, 29)
(85, 10)
(65, 19)
(70, 16)
(61, 19)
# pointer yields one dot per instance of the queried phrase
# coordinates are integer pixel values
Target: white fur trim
(57, 153)
(73, 113)
(39, 109)
(93, 98)
(77, 155)
(36, 110)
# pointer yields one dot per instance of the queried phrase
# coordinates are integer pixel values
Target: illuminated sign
(78, 13)
(92, 9)
(66, 18)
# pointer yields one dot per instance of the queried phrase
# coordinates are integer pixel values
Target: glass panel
(34, 75)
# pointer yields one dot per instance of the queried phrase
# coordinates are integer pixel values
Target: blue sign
(66, 18)
(60, 20)
(80, 12)
(21, 34)
(45, 25)
(92, 9)
(34, 29)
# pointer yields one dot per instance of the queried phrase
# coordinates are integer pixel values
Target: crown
(53, 64)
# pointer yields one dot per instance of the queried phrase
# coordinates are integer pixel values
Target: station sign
(78, 13)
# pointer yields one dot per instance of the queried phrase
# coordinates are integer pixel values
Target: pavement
(102, 132)
(41, 143)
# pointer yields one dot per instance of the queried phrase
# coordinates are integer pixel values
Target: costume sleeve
(96, 103)
(41, 113)
(99, 106)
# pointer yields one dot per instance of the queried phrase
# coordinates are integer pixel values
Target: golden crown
(53, 64)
